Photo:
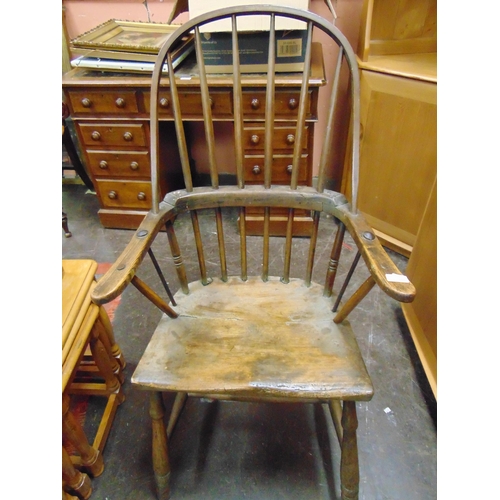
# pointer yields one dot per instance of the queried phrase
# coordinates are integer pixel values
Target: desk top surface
(188, 74)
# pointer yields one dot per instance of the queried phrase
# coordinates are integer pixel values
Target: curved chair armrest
(116, 279)
(382, 268)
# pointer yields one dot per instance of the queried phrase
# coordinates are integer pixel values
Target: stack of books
(125, 46)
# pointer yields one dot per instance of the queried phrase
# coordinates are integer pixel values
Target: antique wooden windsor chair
(252, 336)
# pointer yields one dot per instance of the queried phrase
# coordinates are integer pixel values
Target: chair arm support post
(355, 299)
(153, 297)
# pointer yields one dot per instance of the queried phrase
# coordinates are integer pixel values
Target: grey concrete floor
(222, 450)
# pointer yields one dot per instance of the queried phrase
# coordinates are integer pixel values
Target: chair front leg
(349, 467)
(161, 465)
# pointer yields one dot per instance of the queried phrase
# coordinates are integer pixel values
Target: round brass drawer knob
(112, 195)
(128, 136)
(293, 103)
(255, 104)
(103, 164)
(120, 102)
(96, 136)
(290, 139)
(141, 196)
(86, 102)
(255, 139)
(134, 165)
(289, 169)
(164, 102)
(256, 170)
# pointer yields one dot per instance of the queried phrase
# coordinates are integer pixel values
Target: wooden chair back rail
(334, 204)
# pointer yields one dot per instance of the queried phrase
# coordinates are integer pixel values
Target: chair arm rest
(119, 275)
(382, 268)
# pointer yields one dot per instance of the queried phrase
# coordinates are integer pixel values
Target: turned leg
(349, 468)
(161, 465)
(101, 358)
(100, 332)
(115, 348)
(74, 479)
(72, 430)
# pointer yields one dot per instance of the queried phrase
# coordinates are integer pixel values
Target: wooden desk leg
(161, 465)
(73, 432)
(76, 480)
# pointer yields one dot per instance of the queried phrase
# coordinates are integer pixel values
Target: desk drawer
(286, 103)
(281, 169)
(191, 103)
(133, 164)
(114, 134)
(283, 139)
(119, 102)
(125, 194)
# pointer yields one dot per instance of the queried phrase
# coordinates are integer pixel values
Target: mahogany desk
(111, 115)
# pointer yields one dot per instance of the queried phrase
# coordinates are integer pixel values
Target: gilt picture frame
(126, 36)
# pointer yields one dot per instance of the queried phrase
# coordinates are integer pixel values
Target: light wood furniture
(397, 55)
(111, 113)
(247, 337)
(92, 365)
(421, 314)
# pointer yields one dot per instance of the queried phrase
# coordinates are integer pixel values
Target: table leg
(73, 432)
(74, 479)
(115, 348)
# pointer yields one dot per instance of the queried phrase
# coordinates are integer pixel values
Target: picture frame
(125, 36)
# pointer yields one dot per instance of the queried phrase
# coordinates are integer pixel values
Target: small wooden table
(92, 364)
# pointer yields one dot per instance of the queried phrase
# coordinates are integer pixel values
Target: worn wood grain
(255, 338)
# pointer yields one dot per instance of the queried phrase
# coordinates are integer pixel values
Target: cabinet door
(421, 314)
(398, 156)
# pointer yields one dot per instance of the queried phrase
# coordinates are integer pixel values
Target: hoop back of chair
(312, 22)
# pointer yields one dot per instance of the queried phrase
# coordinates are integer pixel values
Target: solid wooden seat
(285, 344)
(251, 334)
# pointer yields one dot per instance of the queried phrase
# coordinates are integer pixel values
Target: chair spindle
(334, 262)
(265, 239)
(328, 138)
(161, 276)
(301, 117)
(222, 247)
(176, 255)
(179, 127)
(312, 247)
(269, 113)
(199, 247)
(238, 114)
(207, 111)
